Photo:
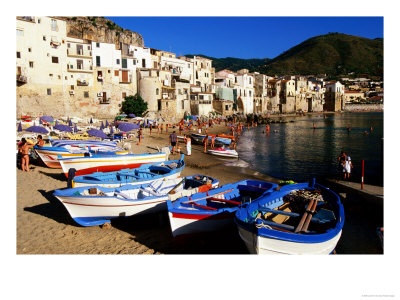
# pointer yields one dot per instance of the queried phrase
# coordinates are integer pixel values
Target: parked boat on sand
(304, 218)
(223, 152)
(214, 209)
(94, 205)
(109, 163)
(146, 173)
(50, 155)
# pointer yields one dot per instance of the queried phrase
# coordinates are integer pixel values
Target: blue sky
(242, 37)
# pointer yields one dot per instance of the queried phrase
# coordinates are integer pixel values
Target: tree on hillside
(134, 105)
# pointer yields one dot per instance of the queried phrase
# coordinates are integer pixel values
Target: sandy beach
(45, 227)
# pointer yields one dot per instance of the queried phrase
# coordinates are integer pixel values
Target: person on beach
(188, 146)
(267, 128)
(40, 142)
(173, 140)
(205, 143)
(24, 150)
(151, 128)
(233, 145)
(314, 126)
(140, 134)
(212, 142)
(342, 160)
(348, 128)
(347, 168)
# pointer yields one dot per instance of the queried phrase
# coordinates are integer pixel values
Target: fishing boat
(94, 205)
(303, 218)
(144, 174)
(213, 210)
(108, 163)
(221, 151)
(50, 155)
(81, 143)
(219, 141)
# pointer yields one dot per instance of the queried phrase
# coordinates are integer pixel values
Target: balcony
(105, 101)
(27, 19)
(21, 79)
(79, 68)
(82, 82)
(79, 53)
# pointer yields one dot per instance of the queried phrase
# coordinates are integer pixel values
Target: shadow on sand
(153, 231)
(57, 176)
(52, 210)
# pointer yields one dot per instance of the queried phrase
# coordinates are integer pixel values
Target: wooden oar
(175, 187)
(220, 193)
(305, 226)
(303, 218)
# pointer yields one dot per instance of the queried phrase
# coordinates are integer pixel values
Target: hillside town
(62, 75)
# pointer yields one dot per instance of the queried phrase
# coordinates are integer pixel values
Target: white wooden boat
(95, 205)
(109, 163)
(223, 152)
(298, 219)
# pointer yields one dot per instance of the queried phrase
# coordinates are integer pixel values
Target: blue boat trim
(244, 217)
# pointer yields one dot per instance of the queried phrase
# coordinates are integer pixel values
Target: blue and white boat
(213, 210)
(94, 205)
(146, 173)
(304, 218)
(81, 143)
(219, 141)
(51, 155)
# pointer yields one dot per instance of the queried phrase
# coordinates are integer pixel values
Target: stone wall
(363, 107)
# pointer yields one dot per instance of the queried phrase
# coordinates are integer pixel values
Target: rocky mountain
(102, 30)
(332, 54)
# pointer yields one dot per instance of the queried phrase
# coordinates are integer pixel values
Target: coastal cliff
(101, 30)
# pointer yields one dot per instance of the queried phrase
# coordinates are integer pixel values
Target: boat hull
(223, 153)
(262, 245)
(187, 224)
(89, 165)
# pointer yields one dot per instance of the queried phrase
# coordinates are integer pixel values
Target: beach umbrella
(101, 126)
(97, 133)
(107, 123)
(40, 121)
(47, 119)
(75, 129)
(131, 116)
(63, 127)
(127, 126)
(37, 129)
(19, 127)
(69, 122)
(91, 121)
(56, 123)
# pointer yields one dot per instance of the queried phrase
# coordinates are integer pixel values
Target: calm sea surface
(295, 151)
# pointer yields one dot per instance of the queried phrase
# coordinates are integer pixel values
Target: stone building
(334, 96)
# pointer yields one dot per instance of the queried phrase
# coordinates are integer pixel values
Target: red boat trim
(220, 216)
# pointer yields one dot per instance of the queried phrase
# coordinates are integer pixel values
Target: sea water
(296, 151)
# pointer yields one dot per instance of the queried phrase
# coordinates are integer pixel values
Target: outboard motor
(71, 175)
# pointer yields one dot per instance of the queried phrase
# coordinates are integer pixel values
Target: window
(54, 25)
(118, 62)
(124, 63)
(249, 93)
(68, 45)
(72, 87)
(54, 59)
(79, 64)
(157, 91)
(38, 21)
(86, 94)
(143, 63)
(134, 62)
(31, 64)
(44, 38)
(183, 104)
(116, 73)
(51, 75)
(98, 45)
(97, 61)
(49, 92)
(20, 32)
(18, 54)
(88, 47)
(29, 49)
(124, 95)
(109, 71)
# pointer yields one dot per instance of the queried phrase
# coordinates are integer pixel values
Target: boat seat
(202, 206)
(224, 200)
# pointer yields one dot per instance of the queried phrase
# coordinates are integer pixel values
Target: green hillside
(333, 54)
